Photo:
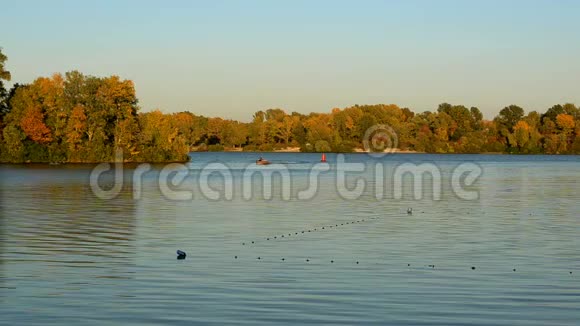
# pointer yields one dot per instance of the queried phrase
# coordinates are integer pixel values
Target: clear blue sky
(232, 58)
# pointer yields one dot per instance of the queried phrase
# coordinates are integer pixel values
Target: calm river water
(508, 256)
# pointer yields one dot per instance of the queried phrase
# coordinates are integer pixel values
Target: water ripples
(68, 257)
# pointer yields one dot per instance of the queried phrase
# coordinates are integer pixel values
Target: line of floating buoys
(182, 255)
(357, 262)
(325, 227)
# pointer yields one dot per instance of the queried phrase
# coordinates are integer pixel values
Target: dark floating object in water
(472, 267)
(302, 231)
(243, 243)
(296, 233)
(283, 259)
(357, 262)
(514, 269)
(307, 260)
(252, 241)
(323, 227)
(259, 258)
(267, 238)
(235, 257)
(410, 211)
(262, 161)
(408, 264)
(274, 237)
(181, 254)
(432, 266)
(332, 261)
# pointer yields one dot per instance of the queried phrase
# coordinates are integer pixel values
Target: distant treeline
(79, 118)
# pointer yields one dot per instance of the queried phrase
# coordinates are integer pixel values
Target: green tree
(258, 132)
(366, 121)
(13, 146)
(477, 118)
(4, 76)
(233, 133)
(552, 112)
(509, 116)
(462, 118)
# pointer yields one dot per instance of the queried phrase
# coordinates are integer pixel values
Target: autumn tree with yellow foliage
(79, 118)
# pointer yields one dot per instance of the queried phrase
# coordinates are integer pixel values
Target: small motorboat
(262, 161)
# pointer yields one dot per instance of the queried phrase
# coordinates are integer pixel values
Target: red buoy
(323, 159)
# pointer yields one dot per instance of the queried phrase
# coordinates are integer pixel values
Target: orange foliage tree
(33, 125)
